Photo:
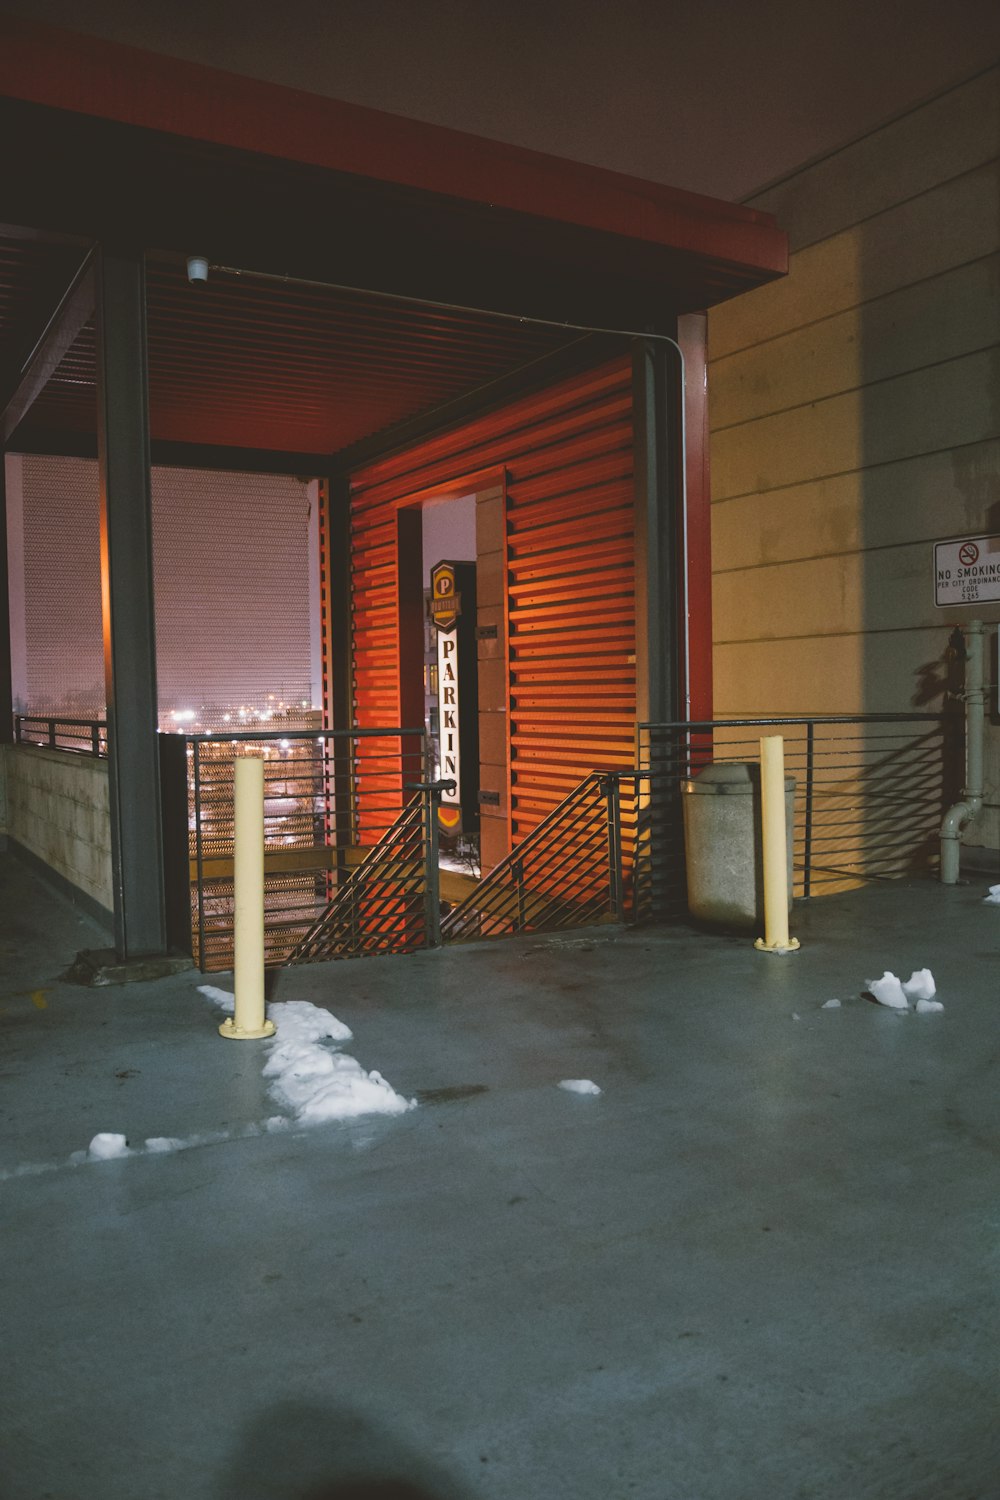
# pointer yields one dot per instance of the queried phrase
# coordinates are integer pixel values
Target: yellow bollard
(774, 845)
(248, 1021)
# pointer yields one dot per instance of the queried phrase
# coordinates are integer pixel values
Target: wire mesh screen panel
(870, 792)
(57, 646)
(233, 600)
(234, 596)
(317, 827)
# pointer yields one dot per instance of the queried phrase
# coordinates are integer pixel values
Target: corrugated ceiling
(248, 362)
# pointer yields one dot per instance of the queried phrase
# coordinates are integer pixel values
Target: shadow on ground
(300, 1451)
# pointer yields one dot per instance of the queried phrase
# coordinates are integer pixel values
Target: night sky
(719, 96)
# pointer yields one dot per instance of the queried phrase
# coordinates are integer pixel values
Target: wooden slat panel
(567, 452)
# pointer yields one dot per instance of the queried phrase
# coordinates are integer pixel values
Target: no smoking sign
(967, 571)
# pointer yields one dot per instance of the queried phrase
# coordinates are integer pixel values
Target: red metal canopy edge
(45, 65)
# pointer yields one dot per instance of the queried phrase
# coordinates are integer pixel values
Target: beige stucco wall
(57, 809)
(855, 416)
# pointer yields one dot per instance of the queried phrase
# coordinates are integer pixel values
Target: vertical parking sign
(453, 611)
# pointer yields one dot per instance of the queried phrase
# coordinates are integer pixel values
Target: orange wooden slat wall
(567, 452)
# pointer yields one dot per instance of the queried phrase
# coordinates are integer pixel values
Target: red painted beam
(44, 65)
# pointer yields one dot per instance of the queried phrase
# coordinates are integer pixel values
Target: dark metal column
(659, 601)
(128, 605)
(6, 678)
(659, 584)
(338, 685)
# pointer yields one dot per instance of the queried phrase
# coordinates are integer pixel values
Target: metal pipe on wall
(963, 812)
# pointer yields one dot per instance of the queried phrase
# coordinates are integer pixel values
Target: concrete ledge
(60, 883)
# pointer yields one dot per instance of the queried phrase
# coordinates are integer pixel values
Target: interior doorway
(450, 674)
(463, 522)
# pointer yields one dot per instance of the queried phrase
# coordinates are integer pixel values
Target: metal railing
(330, 797)
(391, 902)
(870, 791)
(585, 862)
(78, 736)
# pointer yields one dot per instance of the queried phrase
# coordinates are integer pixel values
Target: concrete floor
(762, 1264)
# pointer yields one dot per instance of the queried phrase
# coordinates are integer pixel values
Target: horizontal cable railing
(78, 736)
(329, 797)
(869, 796)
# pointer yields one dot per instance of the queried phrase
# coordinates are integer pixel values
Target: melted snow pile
(313, 1080)
(919, 988)
(309, 1076)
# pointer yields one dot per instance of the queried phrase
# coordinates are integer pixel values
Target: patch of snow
(830, 1005)
(300, 1021)
(994, 895)
(888, 991)
(579, 1086)
(224, 999)
(106, 1145)
(319, 1085)
(31, 1168)
(311, 1079)
(920, 985)
(924, 1006)
(315, 1082)
(159, 1145)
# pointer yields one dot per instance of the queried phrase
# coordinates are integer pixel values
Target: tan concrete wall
(57, 809)
(855, 417)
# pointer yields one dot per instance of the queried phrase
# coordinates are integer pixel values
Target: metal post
(517, 873)
(128, 604)
(248, 1022)
(775, 847)
(612, 792)
(199, 857)
(6, 665)
(432, 873)
(338, 688)
(807, 853)
(657, 405)
(657, 398)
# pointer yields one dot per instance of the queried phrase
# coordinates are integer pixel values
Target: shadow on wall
(302, 1451)
(927, 411)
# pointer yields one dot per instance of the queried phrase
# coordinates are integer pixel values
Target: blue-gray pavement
(762, 1263)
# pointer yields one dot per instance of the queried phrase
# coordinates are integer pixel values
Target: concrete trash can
(722, 841)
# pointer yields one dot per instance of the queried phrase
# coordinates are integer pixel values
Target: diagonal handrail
(381, 906)
(567, 882)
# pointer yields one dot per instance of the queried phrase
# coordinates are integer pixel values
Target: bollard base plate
(245, 1033)
(788, 947)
